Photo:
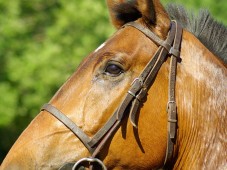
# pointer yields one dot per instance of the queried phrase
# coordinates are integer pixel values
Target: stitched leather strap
(148, 75)
(68, 123)
(171, 105)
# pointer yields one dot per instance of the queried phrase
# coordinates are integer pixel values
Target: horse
(152, 96)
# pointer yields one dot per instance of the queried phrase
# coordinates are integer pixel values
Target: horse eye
(113, 70)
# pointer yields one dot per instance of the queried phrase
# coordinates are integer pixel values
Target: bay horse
(152, 96)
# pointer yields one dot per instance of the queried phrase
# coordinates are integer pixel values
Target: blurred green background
(41, 44)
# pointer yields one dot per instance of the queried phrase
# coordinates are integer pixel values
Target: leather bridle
(135, 96)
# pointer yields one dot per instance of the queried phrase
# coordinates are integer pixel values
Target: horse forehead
(128, 41)
(126, 38)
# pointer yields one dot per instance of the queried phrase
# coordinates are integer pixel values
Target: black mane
(210, 32)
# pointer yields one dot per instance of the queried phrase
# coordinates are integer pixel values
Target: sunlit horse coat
(96, 89)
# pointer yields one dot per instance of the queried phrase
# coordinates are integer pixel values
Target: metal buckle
(89, 160)
(137, 79)
(169, 102)
(137, 84)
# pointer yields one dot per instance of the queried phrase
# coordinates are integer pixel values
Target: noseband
(135, 97)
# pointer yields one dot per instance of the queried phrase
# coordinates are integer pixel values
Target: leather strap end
(133, 111)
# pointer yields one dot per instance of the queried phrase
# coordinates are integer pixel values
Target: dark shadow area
(11, 132)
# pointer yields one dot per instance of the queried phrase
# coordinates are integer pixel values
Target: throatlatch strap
(171, 105)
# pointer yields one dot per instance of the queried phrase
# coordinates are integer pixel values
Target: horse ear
(151, 11)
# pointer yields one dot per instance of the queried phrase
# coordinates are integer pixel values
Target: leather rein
(134, 97)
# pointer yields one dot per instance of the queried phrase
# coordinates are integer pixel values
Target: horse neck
(201, 99)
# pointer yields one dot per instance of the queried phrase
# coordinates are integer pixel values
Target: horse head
(92, 115)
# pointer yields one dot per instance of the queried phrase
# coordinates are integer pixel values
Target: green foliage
(41, 44)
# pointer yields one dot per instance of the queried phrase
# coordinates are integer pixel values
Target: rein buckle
(89, 160)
